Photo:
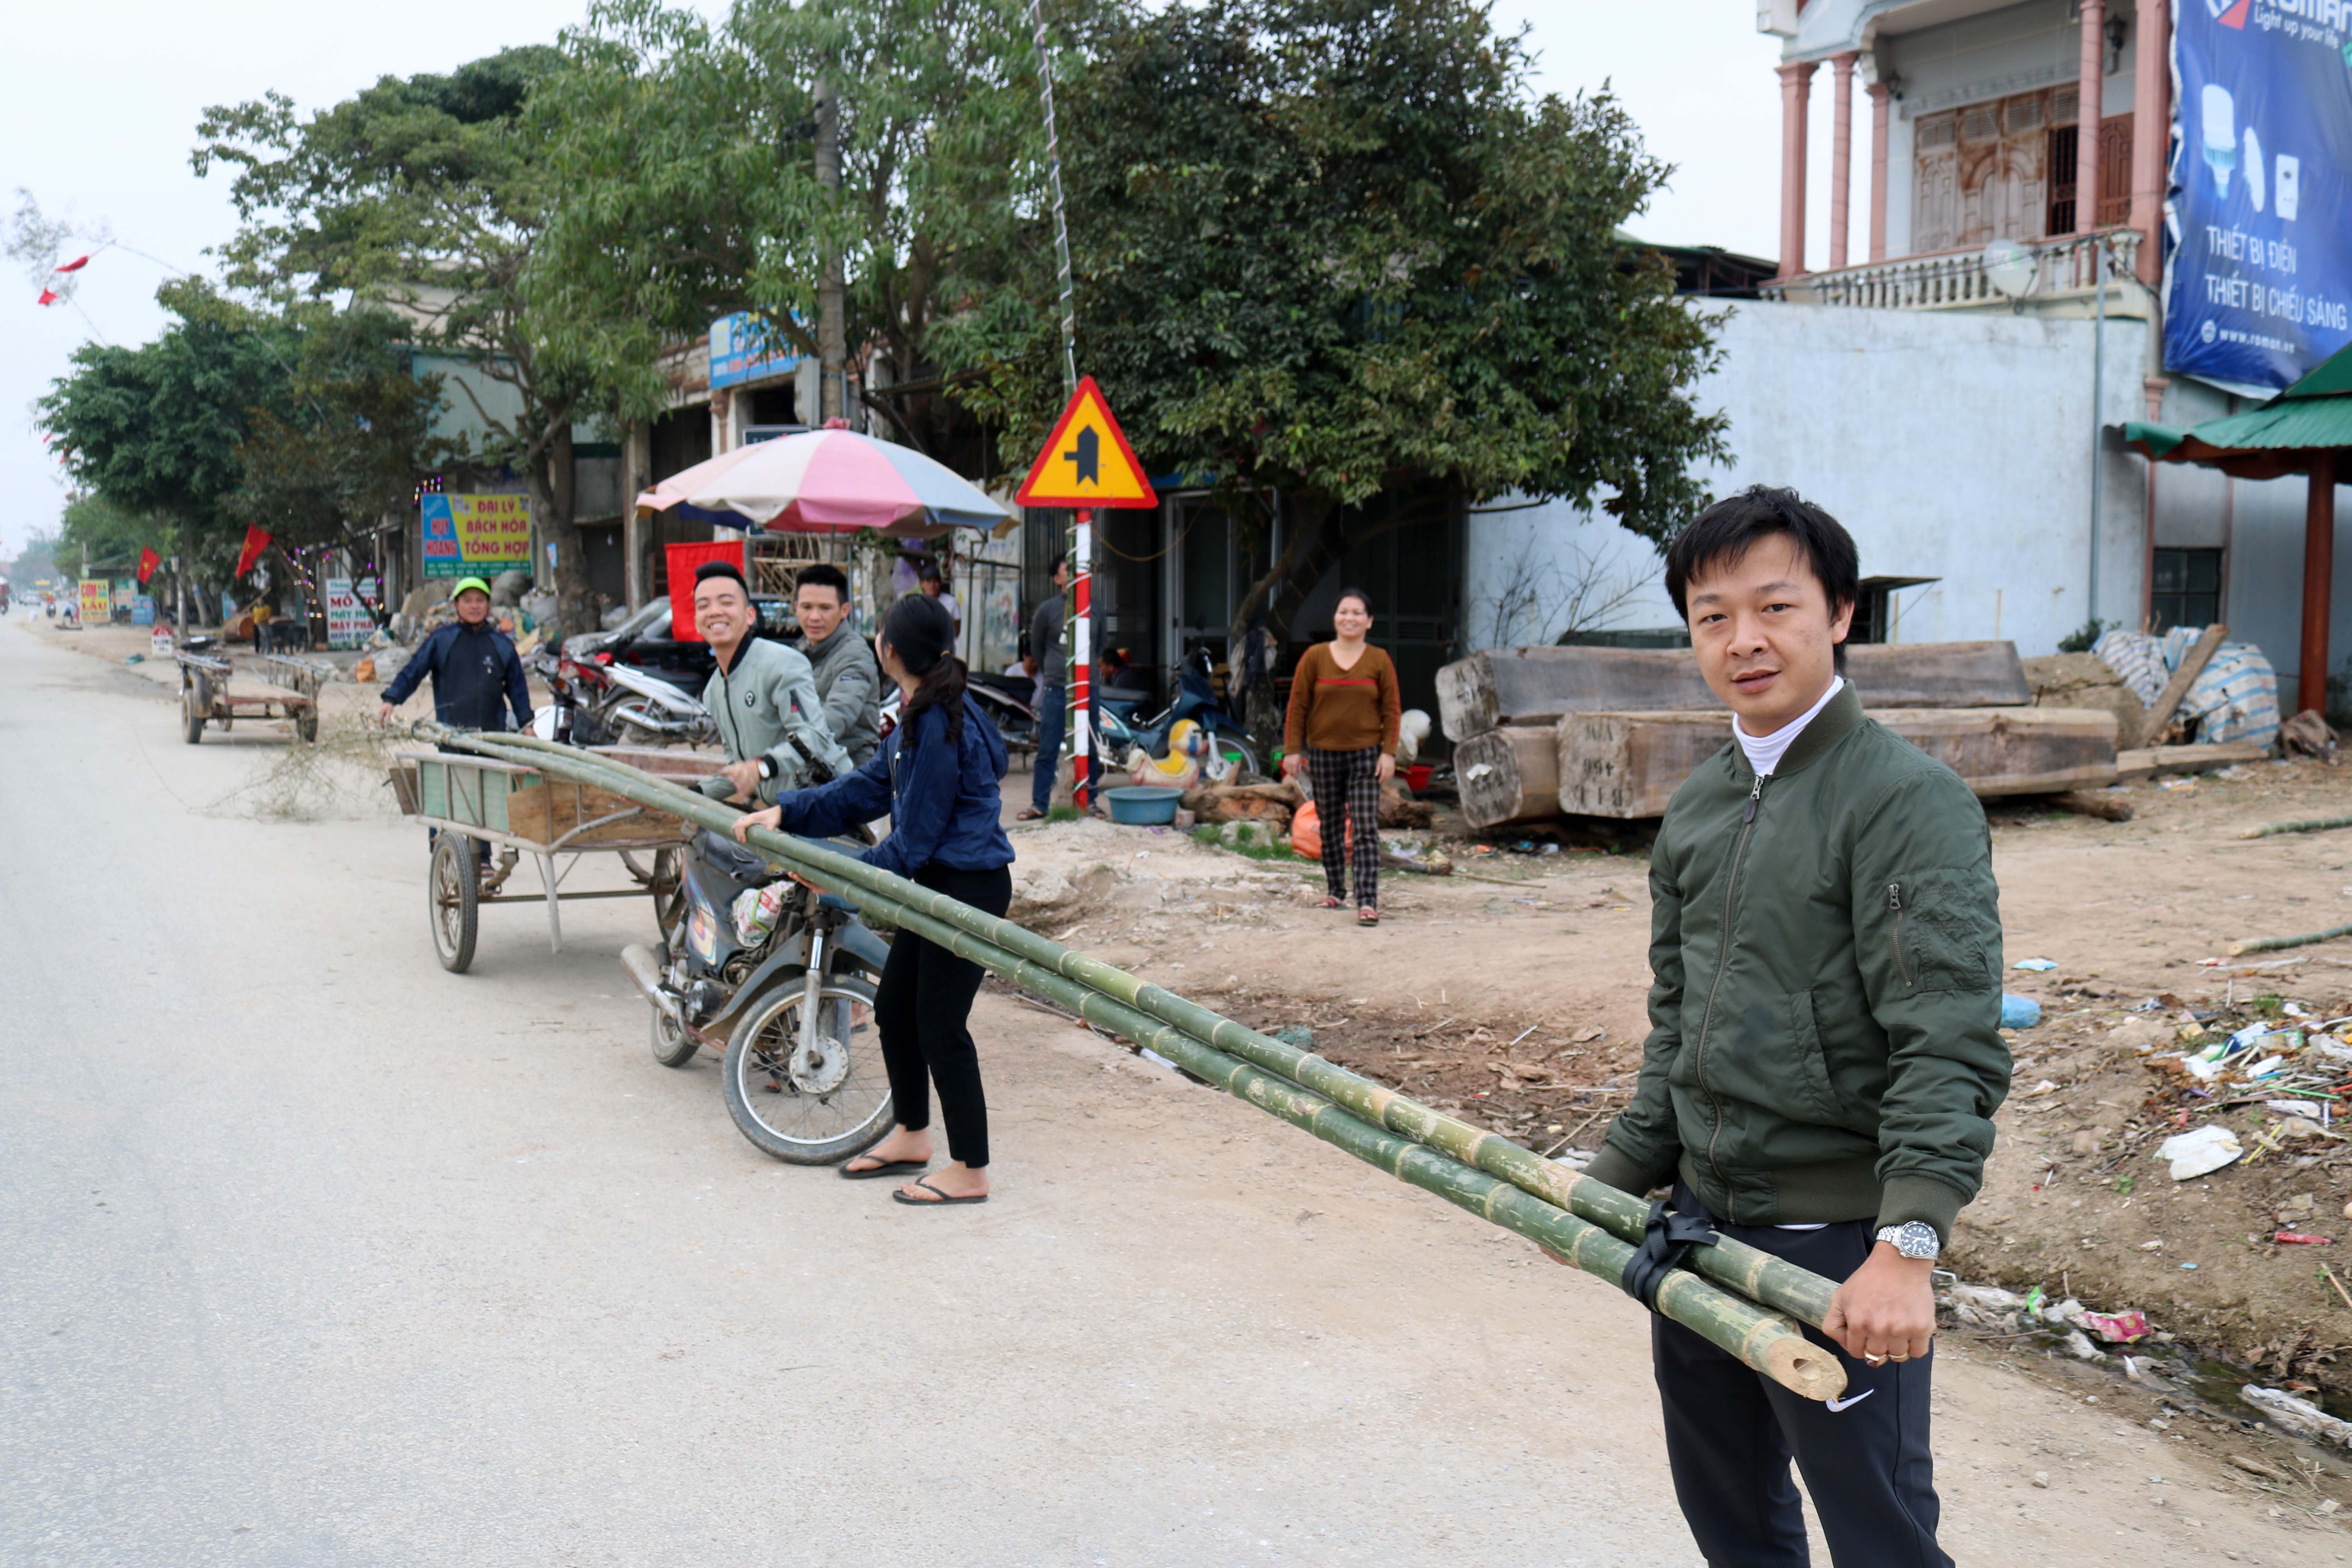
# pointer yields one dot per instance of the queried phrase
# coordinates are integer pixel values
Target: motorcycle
(793, 1008)
(598, 702)
(1117, 728)
(1005, 699)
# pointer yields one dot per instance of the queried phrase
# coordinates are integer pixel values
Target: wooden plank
(1508, 775)
(472, 792)
(544, 811)
(1630, 765)
(2150, 761)
(1503, 686)
(2168, 702)
(666, 762)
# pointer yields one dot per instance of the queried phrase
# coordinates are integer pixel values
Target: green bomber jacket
(1824, 1014)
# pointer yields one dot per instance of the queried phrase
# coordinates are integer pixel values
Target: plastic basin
(1142, 805)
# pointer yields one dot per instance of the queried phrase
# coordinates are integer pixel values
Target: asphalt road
(315, 1255)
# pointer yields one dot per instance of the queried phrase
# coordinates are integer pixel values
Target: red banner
(683, 559)
(256, 540)
(148, 562)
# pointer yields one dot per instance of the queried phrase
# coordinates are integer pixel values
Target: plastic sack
(1307, 832)
(2234, 698)
(756, 911)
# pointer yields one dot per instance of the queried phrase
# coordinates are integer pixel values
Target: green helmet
(465, 582)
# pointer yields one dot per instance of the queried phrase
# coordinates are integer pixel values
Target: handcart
(474, 803)
(206, 698)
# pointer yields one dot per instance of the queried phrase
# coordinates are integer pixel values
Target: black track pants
(1731, 1431)
(1348, 792)
(922, 1008)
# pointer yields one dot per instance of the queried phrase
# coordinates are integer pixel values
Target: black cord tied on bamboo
(1666, 1240)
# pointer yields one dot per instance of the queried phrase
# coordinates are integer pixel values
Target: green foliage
(106, 533)
(2086, 636)
(687, 156)
(1338, 248)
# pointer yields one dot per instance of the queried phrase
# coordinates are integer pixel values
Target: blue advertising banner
(2261, 189)
(744, 348)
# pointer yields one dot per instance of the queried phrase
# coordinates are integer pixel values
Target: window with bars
(2187, 589)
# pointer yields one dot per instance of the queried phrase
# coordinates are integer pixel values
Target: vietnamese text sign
(744, 348)
(476, 535)
(2261, 189)
(348, 622)
(143, 610)
(96, 601)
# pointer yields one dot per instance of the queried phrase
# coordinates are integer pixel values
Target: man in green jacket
(763, 697)
(1824, 1056)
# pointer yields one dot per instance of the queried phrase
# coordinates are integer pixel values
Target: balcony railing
(1959, 277)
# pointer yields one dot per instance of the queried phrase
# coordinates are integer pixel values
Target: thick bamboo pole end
(1798, 1364)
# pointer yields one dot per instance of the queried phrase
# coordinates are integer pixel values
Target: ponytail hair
(921, 633)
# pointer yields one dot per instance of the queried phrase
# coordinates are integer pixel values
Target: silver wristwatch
(1912, 1239)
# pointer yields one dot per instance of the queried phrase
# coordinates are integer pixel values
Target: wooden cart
(471, 802)
(206, 698)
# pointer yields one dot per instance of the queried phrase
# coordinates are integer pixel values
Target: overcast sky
(99, 105)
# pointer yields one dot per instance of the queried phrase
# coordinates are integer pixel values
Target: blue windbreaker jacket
(943, 803)
(476, 674)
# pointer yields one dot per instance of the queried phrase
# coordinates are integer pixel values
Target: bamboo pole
(2315, 825)
(2273, 943)
(1743, 1269)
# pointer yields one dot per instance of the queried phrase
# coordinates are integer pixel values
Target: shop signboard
(95, 602)
(476, 535)
(744, 347)
(143, 610)
(348, 623)
(2261, 214)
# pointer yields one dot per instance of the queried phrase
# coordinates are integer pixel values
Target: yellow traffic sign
(1086, 460)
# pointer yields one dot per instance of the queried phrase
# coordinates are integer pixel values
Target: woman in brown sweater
(1344, 711)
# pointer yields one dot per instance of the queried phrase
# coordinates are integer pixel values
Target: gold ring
(1874, 1360)
(1898, 1358)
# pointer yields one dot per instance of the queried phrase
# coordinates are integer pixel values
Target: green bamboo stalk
(2314, 825)
(1748, 1270)
(2273, 943)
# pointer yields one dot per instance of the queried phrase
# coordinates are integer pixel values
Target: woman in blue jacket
(937, 777)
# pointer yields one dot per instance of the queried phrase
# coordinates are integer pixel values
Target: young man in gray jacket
(848, 681)
(763, 697)
(1823, 1059)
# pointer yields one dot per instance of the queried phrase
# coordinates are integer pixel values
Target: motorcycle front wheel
(818, 1112)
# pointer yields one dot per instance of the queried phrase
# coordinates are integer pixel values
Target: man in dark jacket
(848, 681)
(476, 674)
(1824, 1056)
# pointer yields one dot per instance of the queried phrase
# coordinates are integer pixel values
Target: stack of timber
(1592, 731)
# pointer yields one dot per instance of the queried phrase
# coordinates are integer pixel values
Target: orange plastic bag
(1306, 833)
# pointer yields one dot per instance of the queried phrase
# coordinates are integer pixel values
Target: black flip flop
(887, 1168)
(942, 1200)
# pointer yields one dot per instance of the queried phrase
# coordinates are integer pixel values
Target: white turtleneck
(1765, 755)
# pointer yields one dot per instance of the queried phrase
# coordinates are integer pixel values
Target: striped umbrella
(672, 491)
(837, 481)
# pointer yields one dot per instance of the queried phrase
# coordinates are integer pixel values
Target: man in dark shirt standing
(476, 674)
(1046, 664)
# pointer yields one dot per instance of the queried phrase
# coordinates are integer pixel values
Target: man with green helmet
(476, 674)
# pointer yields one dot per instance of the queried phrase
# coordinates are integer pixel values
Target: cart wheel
(450, 890)
(668, 886)
(192, 718)
(306, 725)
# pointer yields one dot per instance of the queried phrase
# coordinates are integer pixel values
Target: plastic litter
(2018, 1012)
(2036, 964)
(2293, 1108)
(2266, 1067)
(2298, 1238)
(2124, 1328)
(2201, 1152)
(2298, 1417)
(756, 911)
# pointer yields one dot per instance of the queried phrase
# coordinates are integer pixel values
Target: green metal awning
(2310, 419)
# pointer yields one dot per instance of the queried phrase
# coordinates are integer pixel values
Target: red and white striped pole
(1082, 652)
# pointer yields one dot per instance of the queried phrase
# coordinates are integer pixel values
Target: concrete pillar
(1841, 154)
(2086, 117)
(1878, 98)
(1796, 94)
(2318, 578)
(2151, 132)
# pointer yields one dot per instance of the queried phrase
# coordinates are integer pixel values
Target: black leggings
(1348, 794)
(923, 1007)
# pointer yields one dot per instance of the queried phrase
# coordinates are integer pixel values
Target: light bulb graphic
(2219, 134)
(2254, 167)
(2286, 185)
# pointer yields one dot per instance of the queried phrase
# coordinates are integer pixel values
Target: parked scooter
(1006, 700)
(598, 702)
(1117, 728)
(782, 979)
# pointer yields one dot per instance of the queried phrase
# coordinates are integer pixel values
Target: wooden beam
(1630, 765)
(2150, 761)
(1541, 685)
(1508, 775)
(2192, 665)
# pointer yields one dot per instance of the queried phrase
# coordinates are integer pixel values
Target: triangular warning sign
(1087, 461)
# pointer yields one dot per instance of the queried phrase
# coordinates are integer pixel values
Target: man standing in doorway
(1048, 665)
(763, 696)
(1824, 1056)
(848, 681)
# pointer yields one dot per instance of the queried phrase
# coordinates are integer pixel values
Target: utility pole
(1078, 613)
(832, 329)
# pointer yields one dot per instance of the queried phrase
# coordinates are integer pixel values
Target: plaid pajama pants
(1347, 787)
